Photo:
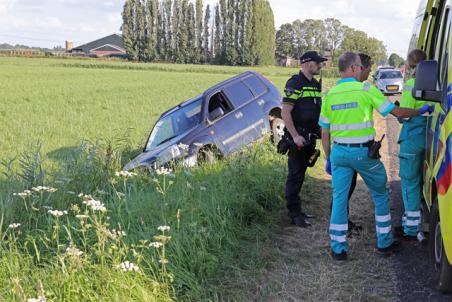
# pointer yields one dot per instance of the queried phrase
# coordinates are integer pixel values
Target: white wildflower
(156, 245)
(128, 267)
(57, 213)
(95, 205)
(81, 195)
(23, 194)
(73, 251)
(70, 192)
(183, 147)
(38, 299)
(163, 228)
(40, 189)
(115, 234)
(164, 261)
(202, 188)
(81, 217)
(14, 225)
(125, 174)
(163, 171)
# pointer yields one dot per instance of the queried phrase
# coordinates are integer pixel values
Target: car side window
(219, 106)
(238, 93)
(256, 85)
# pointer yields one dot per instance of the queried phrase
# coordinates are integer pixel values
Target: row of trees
(237, 32)
(293, 39)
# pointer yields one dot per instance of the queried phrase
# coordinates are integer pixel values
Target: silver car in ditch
(389, 80)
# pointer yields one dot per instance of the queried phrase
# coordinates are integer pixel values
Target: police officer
(347, 119)
(301, 110)
(412, 151)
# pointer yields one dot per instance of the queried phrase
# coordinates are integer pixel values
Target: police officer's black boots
(301, 221)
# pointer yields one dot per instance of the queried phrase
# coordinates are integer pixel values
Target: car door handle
(238, 115)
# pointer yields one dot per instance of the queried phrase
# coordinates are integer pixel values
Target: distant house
(107, 46)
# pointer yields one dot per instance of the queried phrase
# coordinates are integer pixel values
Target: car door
(225, 124)
(248, 115)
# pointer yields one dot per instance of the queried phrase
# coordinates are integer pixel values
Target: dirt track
(415, 279)
(304, 270)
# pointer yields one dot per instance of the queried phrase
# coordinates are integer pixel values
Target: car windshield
(176, 123)
(391, 75)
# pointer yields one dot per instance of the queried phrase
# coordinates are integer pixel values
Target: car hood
(386, 82)
(151, 158)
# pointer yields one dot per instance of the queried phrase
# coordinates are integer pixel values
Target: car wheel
(437, 252)
(277, 130)
(208, 155)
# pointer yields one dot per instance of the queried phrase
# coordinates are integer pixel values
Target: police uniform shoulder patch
(289, 91)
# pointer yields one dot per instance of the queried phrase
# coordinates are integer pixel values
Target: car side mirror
(216, 113)
(425, 87)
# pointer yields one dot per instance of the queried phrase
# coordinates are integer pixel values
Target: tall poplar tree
(205, 37)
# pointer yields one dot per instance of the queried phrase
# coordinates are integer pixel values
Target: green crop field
(92, 235)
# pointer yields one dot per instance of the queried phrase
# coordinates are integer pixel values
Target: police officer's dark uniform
(304, 95)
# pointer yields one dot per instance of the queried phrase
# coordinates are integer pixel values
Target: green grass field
(90, 117)
(59, 102)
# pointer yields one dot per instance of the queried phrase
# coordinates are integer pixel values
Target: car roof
(209, 91)
(183, 104)
(228, 81)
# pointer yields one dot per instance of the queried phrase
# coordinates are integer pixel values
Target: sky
(47, 23)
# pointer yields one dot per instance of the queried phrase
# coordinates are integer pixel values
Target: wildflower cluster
(156, 244)
(57, 213)
(40, 189)
(14, 225)
(163, 171)
(115, 234)
(125, 174)
(128, 267)
(23, 194)
(38, 299)
(95, 205)
(73, 252)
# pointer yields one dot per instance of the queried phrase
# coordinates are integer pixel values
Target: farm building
(107, 46)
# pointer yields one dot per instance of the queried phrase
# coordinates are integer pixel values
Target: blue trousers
(345, 161)
(411, 155)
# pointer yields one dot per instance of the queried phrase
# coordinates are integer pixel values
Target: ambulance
(434, 83)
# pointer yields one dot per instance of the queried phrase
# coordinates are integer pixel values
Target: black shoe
(307, 215)
(406, 237)
(390, 250)
(354, 229)
(398, 232)
(301, 222)
(339, 257)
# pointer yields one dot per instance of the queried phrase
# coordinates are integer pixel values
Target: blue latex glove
(328, 166)
(426, 108)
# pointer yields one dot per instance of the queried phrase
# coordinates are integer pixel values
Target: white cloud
(5, 6)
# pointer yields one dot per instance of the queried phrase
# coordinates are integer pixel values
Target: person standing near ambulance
(412, 151)
(347, 119)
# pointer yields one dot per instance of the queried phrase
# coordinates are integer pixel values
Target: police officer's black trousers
(297, 163)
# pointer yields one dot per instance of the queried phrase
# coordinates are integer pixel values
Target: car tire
(277, 125)
(437, 253)
(208, 155)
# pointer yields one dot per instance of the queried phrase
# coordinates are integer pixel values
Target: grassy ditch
(92, 235)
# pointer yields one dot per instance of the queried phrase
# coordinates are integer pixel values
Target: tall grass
(68, 248)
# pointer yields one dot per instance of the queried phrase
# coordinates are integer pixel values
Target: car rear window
(256, 85)
(238, 93)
